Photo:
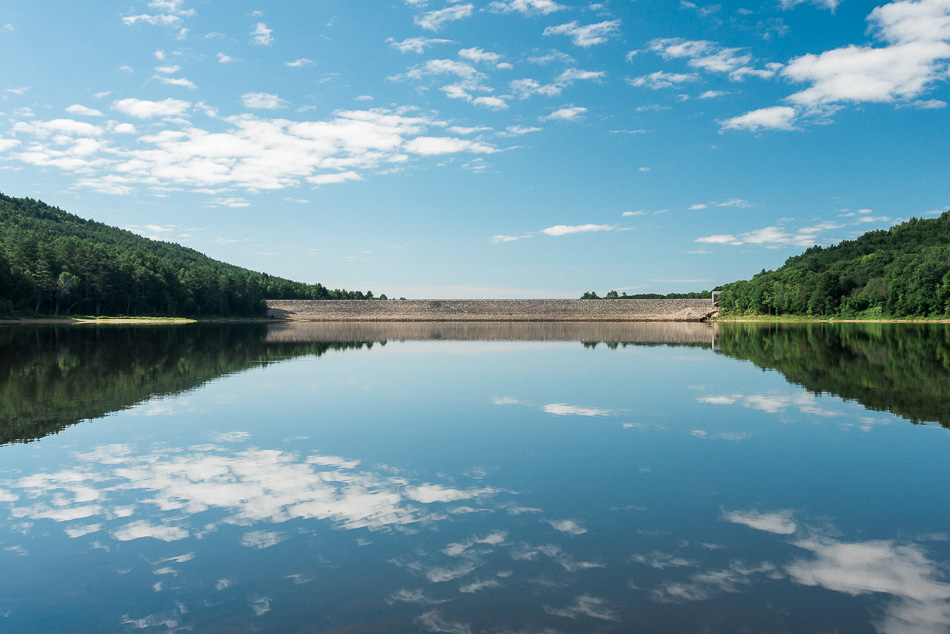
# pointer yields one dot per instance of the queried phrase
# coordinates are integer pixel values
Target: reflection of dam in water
(682, 333)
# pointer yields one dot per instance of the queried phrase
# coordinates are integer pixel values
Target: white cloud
(338, 177)
(661, 79)
(436, 493)
(628, 214)
(300, 62)
(570, 113)
(209, 486)
(415, 44)
(499, 239)
(262, 101)
(574, 74)
(451, 67)
(518, 130)
(524, 88)
(711, 57)
(174, 81)
(586, 605)
(168, 70)
(494, 103)
(435, 20)
(262, 539)
(246, 152)
(553, 56)
(718, 400)
(7, 144)
(58, 126)
(431, 146)
(772, 236)
(563, 230)
(588, 35)
(224, 59)
(772, 118)
(527, 7)
(569, 527)
(722, 238)
(916, 35)
(859, 74)
(920, 598)
(733, 202)
(713, 94)
(780, 522)
(144, 528)
(233, 202)
(142, 109)
(925, 104)
(831, 5)
(83, 111)
(261, 35)
(477, 55)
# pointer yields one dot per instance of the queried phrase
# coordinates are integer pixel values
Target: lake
(475, 478)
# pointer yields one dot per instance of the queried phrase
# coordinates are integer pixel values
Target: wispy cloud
(568, 113)
(587, 35)
(778, 522)
(526, 7)
(435, 20)
(772, 118)
(563, 409)
(262, 101)
(563, 230)
(415, 44)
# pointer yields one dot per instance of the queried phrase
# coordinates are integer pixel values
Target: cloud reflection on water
(250, 486)
(920, 594)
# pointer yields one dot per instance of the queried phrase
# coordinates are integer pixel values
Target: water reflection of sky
(530, 489)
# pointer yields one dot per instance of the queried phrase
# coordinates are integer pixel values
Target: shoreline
(70, 321)
(796, 319)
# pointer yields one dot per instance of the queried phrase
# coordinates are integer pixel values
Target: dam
(506, 310)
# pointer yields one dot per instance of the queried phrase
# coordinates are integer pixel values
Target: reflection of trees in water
(900, 368)
(53, 377)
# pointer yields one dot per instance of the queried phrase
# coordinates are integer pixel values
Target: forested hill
(53, 262)
(903, 271)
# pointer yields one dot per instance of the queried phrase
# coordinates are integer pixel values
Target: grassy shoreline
(811, 319)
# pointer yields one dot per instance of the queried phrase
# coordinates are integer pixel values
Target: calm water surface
(475, 478)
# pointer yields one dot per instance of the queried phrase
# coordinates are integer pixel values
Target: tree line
(53, 262)
(616, 295)
(903, 271)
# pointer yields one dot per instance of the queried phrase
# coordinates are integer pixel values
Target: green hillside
(52, 262)
(903, 271)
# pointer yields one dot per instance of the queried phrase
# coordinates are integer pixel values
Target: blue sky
(482, 148)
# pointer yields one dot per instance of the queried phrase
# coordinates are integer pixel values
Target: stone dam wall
(665, 333)
(547, 310)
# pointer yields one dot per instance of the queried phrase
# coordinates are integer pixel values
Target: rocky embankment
(493, 310)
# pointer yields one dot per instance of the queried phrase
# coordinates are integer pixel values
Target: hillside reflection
(54, 377)
(900, 368)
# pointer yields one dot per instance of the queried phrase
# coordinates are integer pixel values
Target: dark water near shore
(463, 478)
